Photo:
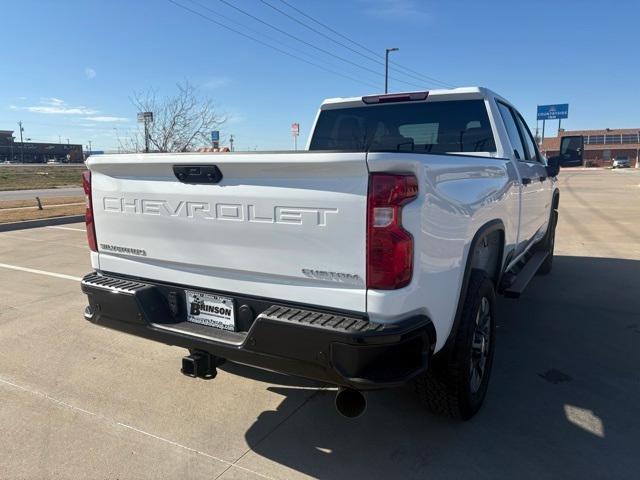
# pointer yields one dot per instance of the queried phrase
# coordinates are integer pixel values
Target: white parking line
(40, 272)
(124, 425)
(69, 228)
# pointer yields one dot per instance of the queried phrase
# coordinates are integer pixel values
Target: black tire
(450, 387)
(548, 244)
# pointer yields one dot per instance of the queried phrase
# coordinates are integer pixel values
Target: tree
(181, 122)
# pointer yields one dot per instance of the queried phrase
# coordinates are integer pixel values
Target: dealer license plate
(211, 310)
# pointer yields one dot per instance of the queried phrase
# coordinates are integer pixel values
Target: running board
(524, 276)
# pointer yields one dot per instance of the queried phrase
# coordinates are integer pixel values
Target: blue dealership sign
(215, 136)
(553, 112)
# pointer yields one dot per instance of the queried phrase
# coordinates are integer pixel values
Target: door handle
(542, 179)
(197, 173)
(526, 180)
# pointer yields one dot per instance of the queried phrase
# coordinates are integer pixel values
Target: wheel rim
(480, 345)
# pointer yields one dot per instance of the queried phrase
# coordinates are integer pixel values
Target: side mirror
(571, 151)
(553, 166)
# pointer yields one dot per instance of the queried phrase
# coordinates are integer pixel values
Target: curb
(41, 222)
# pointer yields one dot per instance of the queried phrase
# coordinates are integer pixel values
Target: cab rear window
(421, 127)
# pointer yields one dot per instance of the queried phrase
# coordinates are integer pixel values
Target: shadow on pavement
(563, 399)
(267, 376)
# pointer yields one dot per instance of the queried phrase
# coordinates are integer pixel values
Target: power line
(298, 39)
(257, 32)
(432, 79)
(377, 59)
(364, 47)
(202, 15)
(368, 57)
(328, 27)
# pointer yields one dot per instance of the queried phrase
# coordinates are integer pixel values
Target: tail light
(88, 213)
(389, 246)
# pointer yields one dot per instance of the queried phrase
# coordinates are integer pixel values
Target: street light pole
(21, 142)
(146, 135)
(386, 67)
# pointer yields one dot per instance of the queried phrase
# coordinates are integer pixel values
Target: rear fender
(472, 261)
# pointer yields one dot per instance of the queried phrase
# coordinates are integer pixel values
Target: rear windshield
(425, 127)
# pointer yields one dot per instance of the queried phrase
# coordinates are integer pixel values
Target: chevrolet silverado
(371, 260)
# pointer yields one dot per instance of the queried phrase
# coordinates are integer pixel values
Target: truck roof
(434, 95)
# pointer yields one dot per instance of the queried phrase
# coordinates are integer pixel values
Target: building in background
(36, 152)
(601, 147)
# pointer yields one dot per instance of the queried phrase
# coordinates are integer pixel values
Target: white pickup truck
(370, 260)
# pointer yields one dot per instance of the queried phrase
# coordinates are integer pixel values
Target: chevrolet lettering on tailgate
(220, 211)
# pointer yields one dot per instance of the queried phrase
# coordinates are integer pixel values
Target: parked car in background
(621, 162)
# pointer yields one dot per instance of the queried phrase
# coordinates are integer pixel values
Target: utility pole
(231, 142)
(21, 142)
(386, 67)
(90, 147)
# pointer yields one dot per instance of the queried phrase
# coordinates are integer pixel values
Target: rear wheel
(457, 382)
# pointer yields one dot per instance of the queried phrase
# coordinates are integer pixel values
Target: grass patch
(8, 216)
(20, 210)
(41, 176)
(4, 204)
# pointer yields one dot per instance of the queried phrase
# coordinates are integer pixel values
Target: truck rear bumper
(341, 348)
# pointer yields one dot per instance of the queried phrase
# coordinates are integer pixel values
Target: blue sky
(70, 67)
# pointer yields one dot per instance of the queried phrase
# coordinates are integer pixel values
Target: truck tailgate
(289, 226)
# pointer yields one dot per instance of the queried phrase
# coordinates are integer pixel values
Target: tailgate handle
(197, 173)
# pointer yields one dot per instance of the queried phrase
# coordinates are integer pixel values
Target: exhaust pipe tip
(89, 312)
(350, 403)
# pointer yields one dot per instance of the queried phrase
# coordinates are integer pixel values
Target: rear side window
(532, 153)
(512, 131)
(424, 127)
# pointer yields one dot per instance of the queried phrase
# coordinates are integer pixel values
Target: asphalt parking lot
(80, 401)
